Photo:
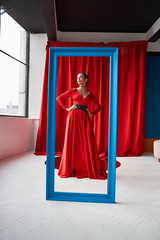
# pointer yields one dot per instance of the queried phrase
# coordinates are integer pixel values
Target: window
(13, 67)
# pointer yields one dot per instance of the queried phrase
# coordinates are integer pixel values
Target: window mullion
(14, 58)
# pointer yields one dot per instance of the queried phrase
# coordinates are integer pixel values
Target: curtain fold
(131, 96)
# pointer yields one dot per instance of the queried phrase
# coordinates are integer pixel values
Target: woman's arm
(61, 97)
(98, 106)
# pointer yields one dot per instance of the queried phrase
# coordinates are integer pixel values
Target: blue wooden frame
(109, 197)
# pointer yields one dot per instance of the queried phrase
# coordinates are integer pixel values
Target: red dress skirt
(80, 155)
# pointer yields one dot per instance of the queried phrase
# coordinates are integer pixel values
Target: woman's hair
(85, 76)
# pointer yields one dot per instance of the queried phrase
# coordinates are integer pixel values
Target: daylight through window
(14, 68)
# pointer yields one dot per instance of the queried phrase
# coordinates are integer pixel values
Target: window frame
(27, 73)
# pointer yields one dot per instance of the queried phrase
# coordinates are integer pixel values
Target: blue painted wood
(112, 136)
(109, 197)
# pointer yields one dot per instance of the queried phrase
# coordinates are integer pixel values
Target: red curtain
(131, 96)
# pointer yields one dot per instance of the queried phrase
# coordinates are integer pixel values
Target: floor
(83, 185)
(26, 215)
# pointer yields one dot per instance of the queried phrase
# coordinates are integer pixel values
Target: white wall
(16, 136)
(37, 61)
(153, 29)
(154, 47)
(99, 37)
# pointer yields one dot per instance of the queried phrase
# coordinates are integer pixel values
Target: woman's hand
(72, 107)
(90, 114)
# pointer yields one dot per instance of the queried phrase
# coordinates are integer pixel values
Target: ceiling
(106, 16)
(41, 16)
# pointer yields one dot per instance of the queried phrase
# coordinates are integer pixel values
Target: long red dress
(80, 155)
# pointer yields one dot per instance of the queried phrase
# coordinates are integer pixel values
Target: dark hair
(85, 76)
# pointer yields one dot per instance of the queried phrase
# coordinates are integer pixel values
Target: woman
(80, 155)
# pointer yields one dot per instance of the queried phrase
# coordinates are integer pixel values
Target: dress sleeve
(96, 103)
(61, 97)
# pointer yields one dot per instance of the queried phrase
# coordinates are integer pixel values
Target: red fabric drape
(131, 93)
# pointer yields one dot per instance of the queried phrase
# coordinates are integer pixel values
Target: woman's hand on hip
(72, 107)
(90, 114)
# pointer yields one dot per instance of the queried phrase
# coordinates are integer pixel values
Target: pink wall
(16, 136)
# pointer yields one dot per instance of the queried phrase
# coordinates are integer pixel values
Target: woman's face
(81, 80)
